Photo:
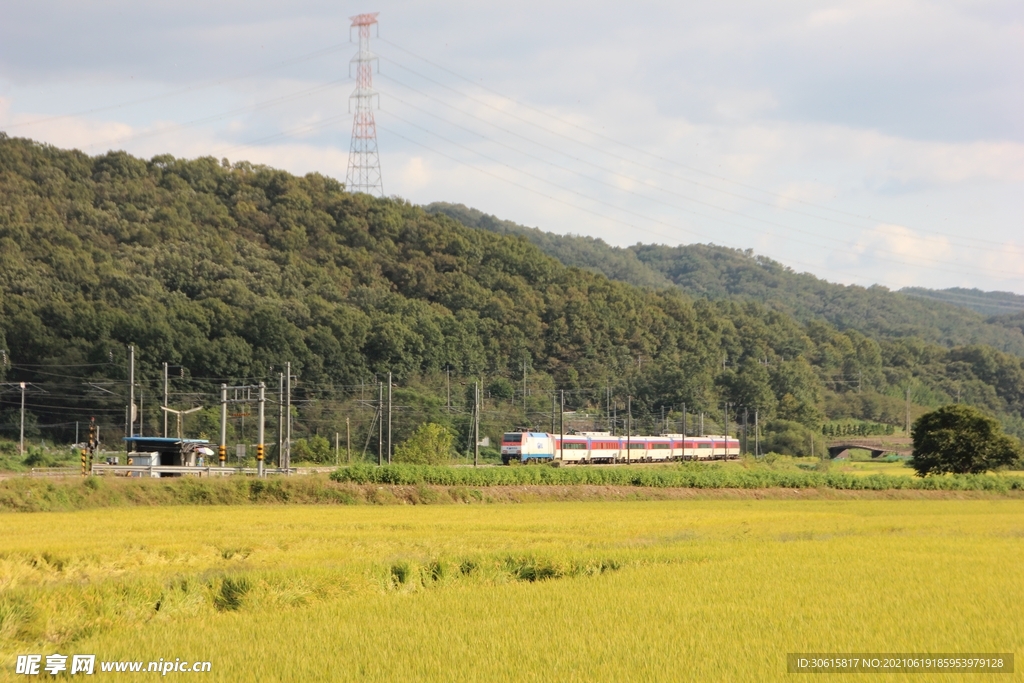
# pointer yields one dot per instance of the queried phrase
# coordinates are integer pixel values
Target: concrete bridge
(878, 445)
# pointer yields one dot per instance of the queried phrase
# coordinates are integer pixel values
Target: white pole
(389, 418)
(166, 405)
(131, 390)
(280, 419)
(222, 449)
(259, 437)
(21, 442)
(288, 414)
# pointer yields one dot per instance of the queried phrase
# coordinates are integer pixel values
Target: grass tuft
(232, 592)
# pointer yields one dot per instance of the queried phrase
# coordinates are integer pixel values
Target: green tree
(314, 449)
(960, 439)
(431, 444)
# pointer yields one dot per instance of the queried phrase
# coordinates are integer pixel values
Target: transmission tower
(363, 160)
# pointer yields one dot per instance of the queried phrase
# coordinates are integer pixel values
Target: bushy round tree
(960, 439)
(430, 445)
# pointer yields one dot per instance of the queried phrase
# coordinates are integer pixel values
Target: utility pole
(21, 440)
(476, 424)
(684, 420)
(629, 429)
(222, 449)
(280, 419)
(561, 424)
(448, 385)
(757, 436)
(363, 159)
(380, 424)
(552, 412)
(337, 449)
(726, 429)
(131, 390)
(181, 416)
(524, 391)
(608, 406)
(348, 442)
(288, 415)
(908, 410)
(260, 433)
(166, 404)
(389, 418)
(746, 448)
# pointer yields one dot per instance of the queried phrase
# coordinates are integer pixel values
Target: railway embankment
(406, 484)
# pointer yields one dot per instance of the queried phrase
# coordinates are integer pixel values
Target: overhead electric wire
(549, 130)
(548, 196)
(620, 174)
(256, 106)
(620, 208)
(950, 297)
(632, 147)
(180, 91)
(323, 123)
(636, 194)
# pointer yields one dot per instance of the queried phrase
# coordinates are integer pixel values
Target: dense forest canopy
(947, 317)
(228, 271)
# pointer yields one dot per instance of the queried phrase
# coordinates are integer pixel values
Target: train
(587, 448)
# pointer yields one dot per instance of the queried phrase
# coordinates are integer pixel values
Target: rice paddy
(699, 589)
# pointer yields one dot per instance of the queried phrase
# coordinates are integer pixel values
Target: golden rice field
(708, 590)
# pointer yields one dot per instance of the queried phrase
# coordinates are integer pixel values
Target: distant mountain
(986, 303)
(716, 273)
(578, 251)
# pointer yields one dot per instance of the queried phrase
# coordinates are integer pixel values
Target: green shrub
(431, 444)
(314, 449)
(686, 475)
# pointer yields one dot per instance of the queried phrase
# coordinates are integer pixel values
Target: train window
(513, 438)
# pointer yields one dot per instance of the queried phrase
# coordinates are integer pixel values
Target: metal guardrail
(53, 471)
(151, 470)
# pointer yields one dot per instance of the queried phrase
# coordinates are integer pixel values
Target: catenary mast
(363, 160)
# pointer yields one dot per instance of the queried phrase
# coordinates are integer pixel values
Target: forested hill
(229, 271)
(579, 251)
(996, 304)
(712, 272)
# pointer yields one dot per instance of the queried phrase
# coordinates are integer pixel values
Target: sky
(864, 141)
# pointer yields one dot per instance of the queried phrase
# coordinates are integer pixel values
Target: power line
(256, 106)
(627, 145)
(192, 88)
(598, 201)
(618, 188)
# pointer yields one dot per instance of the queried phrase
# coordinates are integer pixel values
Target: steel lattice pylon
(363, 160)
